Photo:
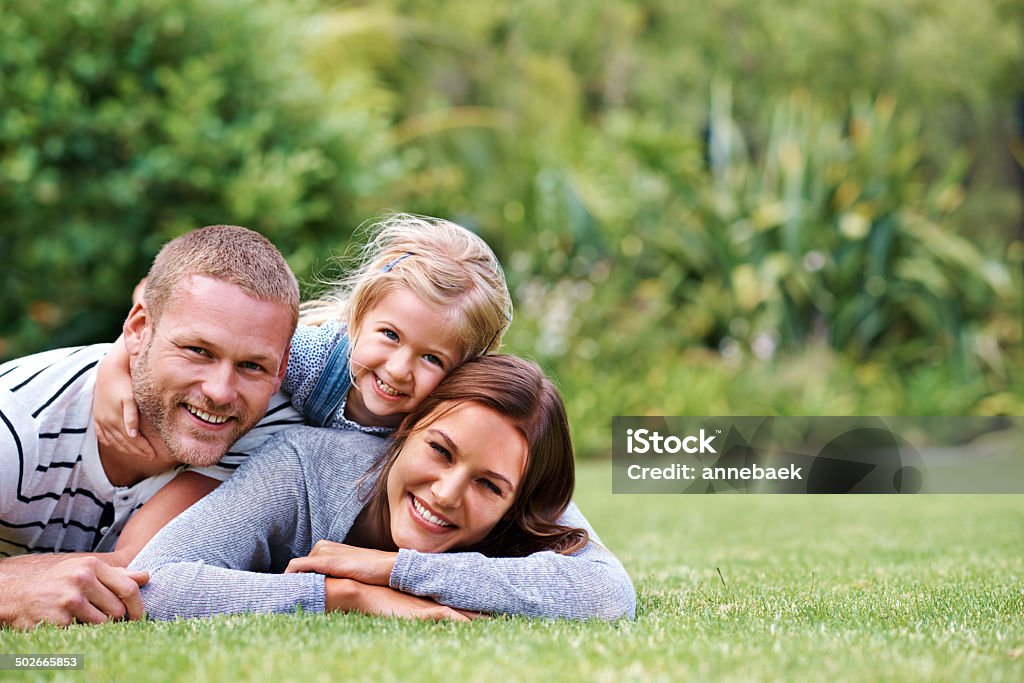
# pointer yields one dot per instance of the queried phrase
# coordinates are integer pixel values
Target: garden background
(736, 207)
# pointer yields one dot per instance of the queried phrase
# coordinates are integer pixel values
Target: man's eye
(199, 351)
(249, 365)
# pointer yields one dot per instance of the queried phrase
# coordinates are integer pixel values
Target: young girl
(485, 464)
(426, 296)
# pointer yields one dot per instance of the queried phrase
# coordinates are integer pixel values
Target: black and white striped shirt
(54, 493)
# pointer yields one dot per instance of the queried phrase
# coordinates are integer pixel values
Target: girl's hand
(114, 412)
(352, 596)
(372, 567)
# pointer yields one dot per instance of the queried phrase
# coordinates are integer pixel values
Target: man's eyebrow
(455, 449)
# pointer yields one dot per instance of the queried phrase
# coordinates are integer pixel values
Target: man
(208, 348)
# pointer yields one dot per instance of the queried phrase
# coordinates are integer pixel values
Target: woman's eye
(491, 486)
(441, 451)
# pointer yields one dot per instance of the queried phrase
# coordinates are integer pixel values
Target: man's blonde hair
(441, 262)
(223, 252)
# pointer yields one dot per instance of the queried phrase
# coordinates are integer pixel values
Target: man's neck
(127, 469)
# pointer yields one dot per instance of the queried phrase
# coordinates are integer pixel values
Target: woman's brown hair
(518, 390)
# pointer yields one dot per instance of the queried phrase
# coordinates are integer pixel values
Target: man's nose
(220, 384)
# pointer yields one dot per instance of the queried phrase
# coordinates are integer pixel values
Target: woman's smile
(424, 515)
(454, 479)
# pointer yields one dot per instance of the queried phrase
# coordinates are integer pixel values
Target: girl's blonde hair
(441, 262)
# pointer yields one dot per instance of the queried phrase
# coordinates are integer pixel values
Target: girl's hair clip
(394, 263)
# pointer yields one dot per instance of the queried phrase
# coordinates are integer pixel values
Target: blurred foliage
(126, 122)
(748, 207)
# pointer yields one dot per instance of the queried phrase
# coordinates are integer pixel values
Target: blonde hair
(441, 262)
(223, 252)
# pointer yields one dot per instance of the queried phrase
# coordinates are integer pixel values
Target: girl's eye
(431, 358)
(491, 486)
(441, 451)
(390, 334)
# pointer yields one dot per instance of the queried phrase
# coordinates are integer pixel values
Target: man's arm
(61, 588)
(170, 501)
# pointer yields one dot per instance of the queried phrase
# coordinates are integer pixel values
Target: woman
(483, 465)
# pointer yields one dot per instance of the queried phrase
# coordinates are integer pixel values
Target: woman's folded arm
(590, 583)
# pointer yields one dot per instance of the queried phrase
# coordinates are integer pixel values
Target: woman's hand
(347, 595)
(113, 406)
(371, 567)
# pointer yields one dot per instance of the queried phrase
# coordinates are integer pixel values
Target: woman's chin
(410, 537)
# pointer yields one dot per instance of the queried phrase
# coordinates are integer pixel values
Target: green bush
(126, 122)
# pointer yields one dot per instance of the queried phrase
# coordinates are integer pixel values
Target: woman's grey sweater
(226, 553)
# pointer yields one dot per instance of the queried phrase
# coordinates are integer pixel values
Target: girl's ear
(135, 327)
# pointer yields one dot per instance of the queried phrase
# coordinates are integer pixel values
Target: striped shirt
(54, 493)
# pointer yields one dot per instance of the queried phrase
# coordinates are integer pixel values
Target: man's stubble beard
(156, 408)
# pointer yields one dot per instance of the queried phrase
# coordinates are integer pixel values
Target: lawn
(923, 588)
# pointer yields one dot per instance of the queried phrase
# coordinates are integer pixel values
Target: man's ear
(282, 370)
(135, 329)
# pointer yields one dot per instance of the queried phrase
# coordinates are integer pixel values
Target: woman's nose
(447, 490)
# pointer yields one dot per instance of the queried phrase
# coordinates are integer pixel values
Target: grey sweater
(226, 553)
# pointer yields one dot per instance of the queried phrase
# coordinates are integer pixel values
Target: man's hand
(351, 596)
(346, 562)
(81, 589)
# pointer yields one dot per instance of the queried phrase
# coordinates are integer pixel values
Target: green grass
(925, 588)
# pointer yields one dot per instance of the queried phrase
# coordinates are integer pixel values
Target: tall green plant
(835, 226)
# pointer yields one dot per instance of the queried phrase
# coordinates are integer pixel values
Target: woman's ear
(135, 329)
